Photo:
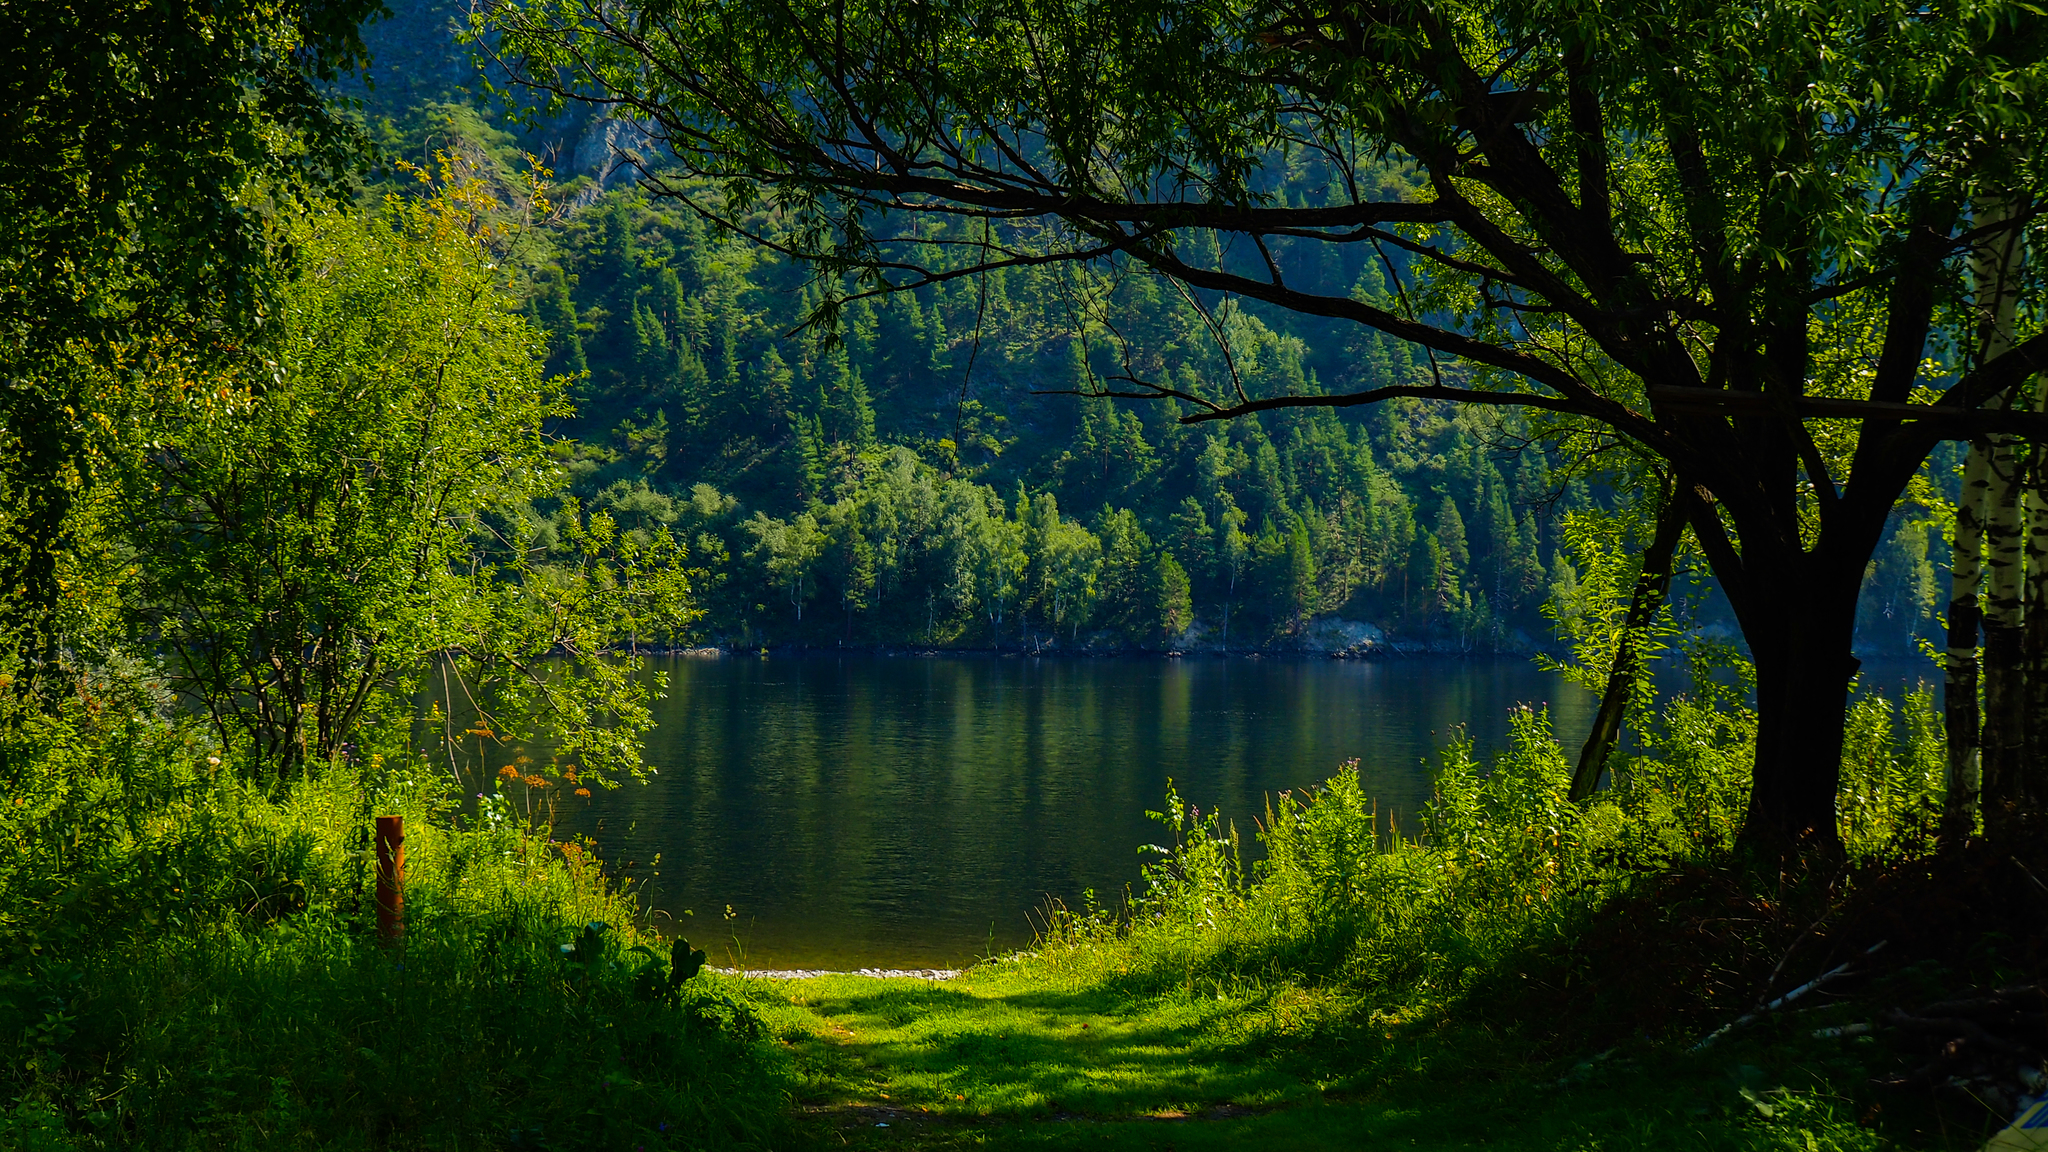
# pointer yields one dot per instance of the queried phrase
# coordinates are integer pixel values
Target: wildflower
(583, 791)
(214, 761)
(509, 772)
(536, 781)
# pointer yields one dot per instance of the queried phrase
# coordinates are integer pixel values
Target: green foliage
(150, 148)
(191, 963)
(757, 420)
(1630, 221)
(1894, 771)
(318, 530)
(1499, 865)
(1602, 557)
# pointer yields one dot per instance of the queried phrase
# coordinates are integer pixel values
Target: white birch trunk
(1995, 269)
(1960, 713)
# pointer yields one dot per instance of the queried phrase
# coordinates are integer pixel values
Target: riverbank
(1526, 974)
(1323, 636)
(860, 811)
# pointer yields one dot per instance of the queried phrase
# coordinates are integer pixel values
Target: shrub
(192, 962)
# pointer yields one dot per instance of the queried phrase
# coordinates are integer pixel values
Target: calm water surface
(903, 810)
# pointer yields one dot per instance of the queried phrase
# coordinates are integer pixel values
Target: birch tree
(787, 549)
(1961, 715)
(1996, 265)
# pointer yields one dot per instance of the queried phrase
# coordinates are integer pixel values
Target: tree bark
(1652, 584)
(1802, 688)
(2034, 634)
(1995, 268)
(2009, 806)
(1961, 717)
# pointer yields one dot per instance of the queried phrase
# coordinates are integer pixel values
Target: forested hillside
(928, 470)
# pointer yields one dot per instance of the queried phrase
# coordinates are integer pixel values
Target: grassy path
(1004, 1059)
(1001, 1060)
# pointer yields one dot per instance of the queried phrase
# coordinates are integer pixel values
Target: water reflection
(864, 810)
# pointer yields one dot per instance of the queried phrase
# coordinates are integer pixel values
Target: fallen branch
(1832, 974)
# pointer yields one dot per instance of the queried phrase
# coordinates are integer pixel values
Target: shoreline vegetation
(191, 953)
(194, 964)
(1377, 648)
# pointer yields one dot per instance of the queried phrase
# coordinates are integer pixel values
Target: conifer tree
(1301, 576)
(1450, 533)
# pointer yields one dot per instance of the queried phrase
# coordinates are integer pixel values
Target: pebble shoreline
(877, 973)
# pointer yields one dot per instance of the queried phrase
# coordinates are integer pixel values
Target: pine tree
(1232, 551)
(1125, 549)
(1301, 575)
(1192, 539)
(1450, 533)
(1424, 578)
(555, 312)
(1526, 579)
(1500, 529)
(846, 415)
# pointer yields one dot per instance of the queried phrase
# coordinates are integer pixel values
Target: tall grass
(191, 962)
(1501, 866)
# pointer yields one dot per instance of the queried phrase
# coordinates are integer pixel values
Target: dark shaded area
(1933, 963)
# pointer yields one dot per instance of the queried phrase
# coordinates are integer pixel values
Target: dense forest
(938, 467)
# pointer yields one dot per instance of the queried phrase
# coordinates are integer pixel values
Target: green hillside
(927, 470)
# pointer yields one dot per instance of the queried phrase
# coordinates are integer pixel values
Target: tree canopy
(1736, 236)
(146, 148)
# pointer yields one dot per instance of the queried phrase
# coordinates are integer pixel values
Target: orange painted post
(390, 878)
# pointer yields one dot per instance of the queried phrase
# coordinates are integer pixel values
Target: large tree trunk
(1960, 715)
(1803, 674)
(1652, 584)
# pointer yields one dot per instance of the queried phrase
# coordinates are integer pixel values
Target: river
(914, 811)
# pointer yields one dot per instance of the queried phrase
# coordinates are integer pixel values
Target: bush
(192, 962)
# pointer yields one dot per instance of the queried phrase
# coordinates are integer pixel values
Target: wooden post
(390, 879)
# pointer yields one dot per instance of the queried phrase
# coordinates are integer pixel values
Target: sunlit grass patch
(1015, 1040)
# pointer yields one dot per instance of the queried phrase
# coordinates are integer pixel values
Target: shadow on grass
(969, 1050)
(996, 1062)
